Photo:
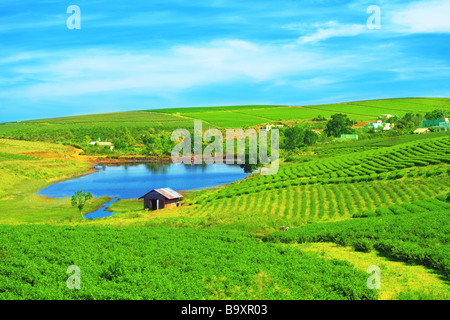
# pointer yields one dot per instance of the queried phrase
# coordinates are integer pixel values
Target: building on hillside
(345, 137)
(161, 198)
(443, 126)
(269, 127)
(385, 116)
(438, 125)
(433, 123)
(266, 128)
(388, 126)
(421, 130)
(102, 144)
(379, 125)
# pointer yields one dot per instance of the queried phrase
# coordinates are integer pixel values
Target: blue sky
(134, 55)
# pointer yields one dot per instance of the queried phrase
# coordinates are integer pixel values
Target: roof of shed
(421, 130)
(165, 192)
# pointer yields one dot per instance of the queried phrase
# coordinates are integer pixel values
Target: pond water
(131, 181)
(102, 212)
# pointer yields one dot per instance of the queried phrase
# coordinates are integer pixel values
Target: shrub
(412, 173)
(368, 213)
(413, 208)
(383, 176)
(363, 245)
(383, 212)
(427, 205)
(398, 210)
(112, 271)
(420, 238)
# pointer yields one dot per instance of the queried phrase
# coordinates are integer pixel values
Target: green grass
(266, 211)
(22, 176)
(381, 164)
(354, 146)
(123, 117)
(227, 119)
(356, 110)
(9, 156)
(19, 147)
(126, 205)
(413, 105)
(110, 126)
(296, 113)
(213, 109)
(143, 263)
(212, 248)
(399, 280)
(420, 238)
(246, 116)
(397, 107)
(329, 189)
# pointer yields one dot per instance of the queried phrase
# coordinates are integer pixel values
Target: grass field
(26, 165)
(397, 107)
(296, 113)
(136, 263)
(213, 109)
(213, 117)
(422, 238)
(370, 202)
(400, 280)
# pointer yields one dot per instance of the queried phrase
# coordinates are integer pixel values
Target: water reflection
(129, 181)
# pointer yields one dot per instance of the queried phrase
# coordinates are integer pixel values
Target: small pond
(131, 181)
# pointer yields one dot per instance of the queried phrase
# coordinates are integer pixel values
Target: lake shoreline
(93, 161)
(126, 179)
(130, 159)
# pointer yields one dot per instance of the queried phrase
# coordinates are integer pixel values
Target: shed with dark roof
(161, 198)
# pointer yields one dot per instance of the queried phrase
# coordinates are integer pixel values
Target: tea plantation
(158, 263)
(422, 238)
(387, 197)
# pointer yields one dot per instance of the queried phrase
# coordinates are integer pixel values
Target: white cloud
(423, 17)
(71, 73)
(418, 17)
(333, 29)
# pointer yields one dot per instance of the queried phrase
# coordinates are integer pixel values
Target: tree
(408, 122)
(79, 200)
(339, 124)
(125, 140)
(319, 118)
(159, 144)
(294, 137)
(298, 137)
(310, 137)
(435, 114)
(250, 168)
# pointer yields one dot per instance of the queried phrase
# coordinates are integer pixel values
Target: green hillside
(131, 263)
(220, 117)
(382, 200)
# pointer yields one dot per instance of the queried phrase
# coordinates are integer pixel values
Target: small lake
(131, 181)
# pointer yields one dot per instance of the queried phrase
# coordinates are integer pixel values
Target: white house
(102, 143)
(267, 127)
(379, 125)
